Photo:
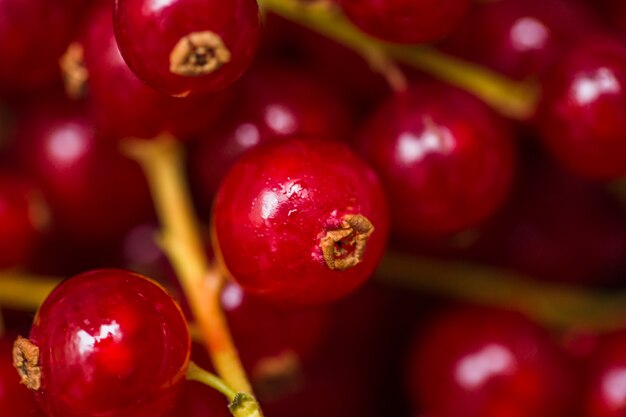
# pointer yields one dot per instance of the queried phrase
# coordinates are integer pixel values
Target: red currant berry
(302, 106)
(405, 21)
(95, 194)
(485, 363)
(33, 36)
(605, 386)
(271, 342)
(106, 342)
(15, 399)
(446, 160)
(22, 216)
(520, 39)
(113, 86)
(187, 47)
(582, 117)
(301, 221)
(534, 235)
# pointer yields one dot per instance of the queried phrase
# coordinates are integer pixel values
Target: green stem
(511, 98)
(24, 291)
(195, 373)
(241, 404)
(561, 306)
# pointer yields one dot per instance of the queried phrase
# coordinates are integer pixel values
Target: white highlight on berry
(493, 360)
(588, 88)
(528, 33)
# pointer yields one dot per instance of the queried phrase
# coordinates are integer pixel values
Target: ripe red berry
(520, 39)
(605, 380)
(271, 343)
(187, 47)
(446, 160)
(581, 116)
(113, 86)
(95, 193)
(301, 221)
(405, 21)
(486, 363)
(106, 342)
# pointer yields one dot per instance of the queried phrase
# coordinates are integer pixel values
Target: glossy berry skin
(45, 26)
(95, 194)
(22, 216)
(520, 39)
(405, 21)
(15, 399)
(303, 106)
(111, 342)
(605, 381)
(581, 116)
(271, 343)
(446, 160)
(113, 86)
(148, 33)
(278, 214)
(478, 362)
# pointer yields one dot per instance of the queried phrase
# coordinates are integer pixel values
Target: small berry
(581, 116)
(301, 221)
(446, 160)
(187, 47)
(484, 363)
(106, 342)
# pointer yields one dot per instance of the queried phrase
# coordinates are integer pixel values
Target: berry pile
(312, 208)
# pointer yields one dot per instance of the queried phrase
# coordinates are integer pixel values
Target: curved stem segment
(162, 162)
(561, 306)
(241, 404)
(511, 98)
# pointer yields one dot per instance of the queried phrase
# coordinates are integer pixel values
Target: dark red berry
(106, 342)
(301, 221)
(520, 39)
(489, 363)
(302, 106)
(33, 36)
(15, 399)
(95, 193)
(446, 160)
(23, 214)
(198, 400)
(113, 86)
(273, 344)
(187, 47)
(582, 117)
(405, 21)
(605, 381)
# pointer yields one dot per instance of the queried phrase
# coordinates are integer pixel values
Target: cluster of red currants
(306, 169)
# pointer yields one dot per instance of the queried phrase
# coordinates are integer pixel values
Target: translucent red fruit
(15, 399)
(110, 342)
(187, 47)
(605, 380)
(581, 116)
(274, 102)
(273, 344)
(301, 221)
(22, 217)
(488, 363)
(520, 39)
(405, 21)
(113, 86)
(446, 160)
(33, 36)
(95, 193)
